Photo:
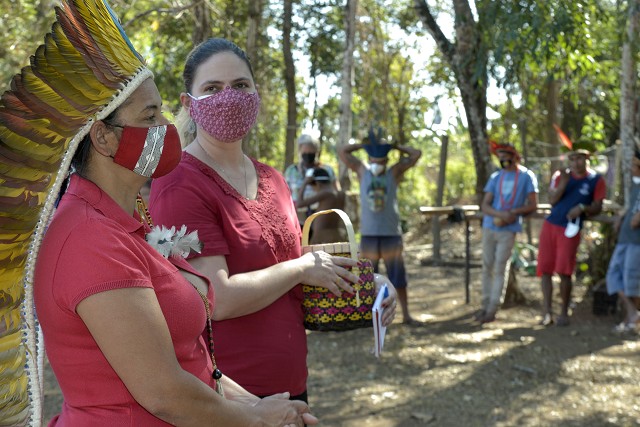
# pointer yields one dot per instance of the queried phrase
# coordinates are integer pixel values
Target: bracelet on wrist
(582, 207)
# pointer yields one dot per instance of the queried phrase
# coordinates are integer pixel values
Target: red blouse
(265, 351)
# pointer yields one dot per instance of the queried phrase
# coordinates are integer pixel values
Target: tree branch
(171, 11)
(446, 47)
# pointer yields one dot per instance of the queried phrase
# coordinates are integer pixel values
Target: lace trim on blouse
(262, 210)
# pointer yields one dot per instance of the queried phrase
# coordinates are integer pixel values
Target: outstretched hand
(328, 271)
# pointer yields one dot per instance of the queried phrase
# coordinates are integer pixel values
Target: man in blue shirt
(510, 193)
(575, 193)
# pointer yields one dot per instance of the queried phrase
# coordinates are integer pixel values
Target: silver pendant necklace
(225, 176)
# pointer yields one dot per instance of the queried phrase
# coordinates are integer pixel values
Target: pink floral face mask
(228, 115)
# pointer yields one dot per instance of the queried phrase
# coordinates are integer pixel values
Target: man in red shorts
(575, 193)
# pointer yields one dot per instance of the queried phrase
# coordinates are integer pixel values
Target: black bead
(216, 374)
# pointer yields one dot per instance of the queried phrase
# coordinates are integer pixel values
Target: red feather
(563, 138)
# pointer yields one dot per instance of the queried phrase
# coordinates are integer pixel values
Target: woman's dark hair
(204, 51)
(80, 159)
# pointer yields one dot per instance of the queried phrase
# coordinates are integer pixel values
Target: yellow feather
(105, 32)
(10, 341)
(41, 90)
(66, 50)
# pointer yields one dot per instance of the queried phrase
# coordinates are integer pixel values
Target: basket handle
(347, 222)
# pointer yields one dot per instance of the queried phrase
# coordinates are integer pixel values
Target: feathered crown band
(84, 70)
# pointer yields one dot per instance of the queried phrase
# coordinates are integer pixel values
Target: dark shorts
(389, 248)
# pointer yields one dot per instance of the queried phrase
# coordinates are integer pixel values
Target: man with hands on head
(380, 217)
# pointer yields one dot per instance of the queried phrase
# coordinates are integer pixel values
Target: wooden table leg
(467, 263)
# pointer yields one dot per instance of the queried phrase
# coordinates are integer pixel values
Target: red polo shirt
(93, 246)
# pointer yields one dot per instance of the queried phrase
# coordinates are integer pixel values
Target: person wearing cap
(122, 312)
(510, 194)
(623, 273)
(325, 228)
(296, 173)
(381, 234)
(575, 193)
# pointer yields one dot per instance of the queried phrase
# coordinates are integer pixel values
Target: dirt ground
(451, 372)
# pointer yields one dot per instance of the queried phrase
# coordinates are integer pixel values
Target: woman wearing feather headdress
(122, 320)
(245, 216)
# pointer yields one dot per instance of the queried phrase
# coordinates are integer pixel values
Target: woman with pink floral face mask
(245, 217)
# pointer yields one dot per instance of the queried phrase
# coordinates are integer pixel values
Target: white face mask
(376, 169)
(636, 179)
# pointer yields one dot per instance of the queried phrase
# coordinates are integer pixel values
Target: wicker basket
(323, 311)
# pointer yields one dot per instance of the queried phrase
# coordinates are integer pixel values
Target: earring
(191, 128)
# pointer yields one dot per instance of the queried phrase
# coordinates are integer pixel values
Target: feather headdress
(84, 70)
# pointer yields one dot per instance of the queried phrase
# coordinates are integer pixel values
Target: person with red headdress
(510, 194)
(575, 193)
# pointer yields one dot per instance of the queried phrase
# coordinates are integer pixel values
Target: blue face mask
(635, 179)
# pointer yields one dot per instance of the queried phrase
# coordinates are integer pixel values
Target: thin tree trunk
(290, 82)
(628, 96)
(254, 21)
(442, 173)
(201, 23)
(553, 149)
(344, 133)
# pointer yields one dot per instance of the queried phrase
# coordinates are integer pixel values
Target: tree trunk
(442, 174)
(290, 82)
(201, 23)
(254, 21)
(344, 134)
(628, 96)
(553, 149)
(468, 60)
(513, 295)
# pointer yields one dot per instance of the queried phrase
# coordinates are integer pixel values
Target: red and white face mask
(151, 152)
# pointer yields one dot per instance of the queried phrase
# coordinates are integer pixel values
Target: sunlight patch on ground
(479, 336)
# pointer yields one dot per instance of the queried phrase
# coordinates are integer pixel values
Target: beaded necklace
(216, 374)
(503, 205)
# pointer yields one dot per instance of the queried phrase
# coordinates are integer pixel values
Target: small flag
(563, 138)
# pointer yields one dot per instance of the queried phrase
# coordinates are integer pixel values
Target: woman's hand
(278, 411)
(390, 302)
(328, 271)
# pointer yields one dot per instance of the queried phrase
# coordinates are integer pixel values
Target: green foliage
(529, 42)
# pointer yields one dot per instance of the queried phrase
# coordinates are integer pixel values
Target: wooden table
(468, 213)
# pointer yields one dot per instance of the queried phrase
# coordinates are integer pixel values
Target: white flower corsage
(171, 243)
